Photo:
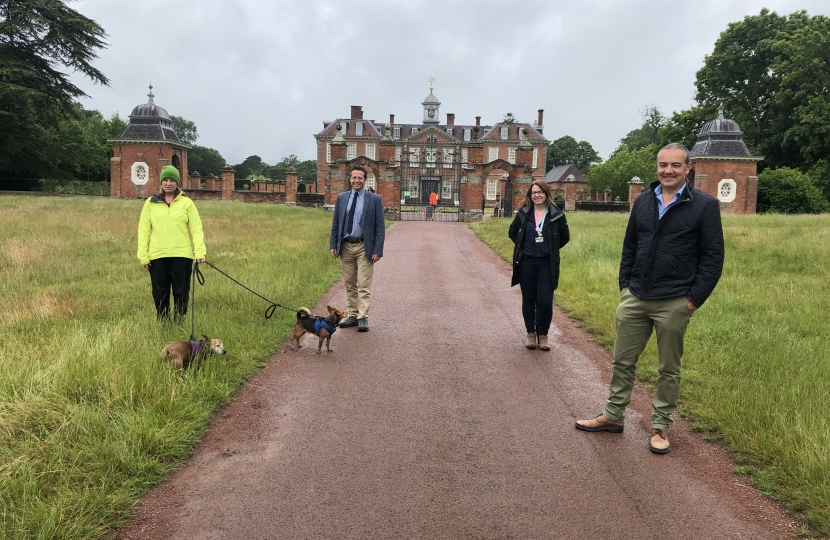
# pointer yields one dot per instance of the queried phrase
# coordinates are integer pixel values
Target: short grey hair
(678, 146)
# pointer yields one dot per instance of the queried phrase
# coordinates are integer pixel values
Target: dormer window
(358, 129)
(504, 131)
(449, 131)
(414, 130)
(343, 126)
(396, 132)
(467, 134)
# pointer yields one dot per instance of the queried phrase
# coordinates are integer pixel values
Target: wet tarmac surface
(438, 423)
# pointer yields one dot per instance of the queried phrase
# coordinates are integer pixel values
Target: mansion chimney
(478, 120)
(450, 119)
(541, 115)
(391, 118)
(357, 112)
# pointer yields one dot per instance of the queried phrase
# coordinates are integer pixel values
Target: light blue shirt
(357, 230)
(658, 192)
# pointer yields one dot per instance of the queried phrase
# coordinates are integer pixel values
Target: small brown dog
(182, 353)
(320, 327)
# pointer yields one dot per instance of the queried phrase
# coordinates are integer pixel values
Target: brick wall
(708, 175)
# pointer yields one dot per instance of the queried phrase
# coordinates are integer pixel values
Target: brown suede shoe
(530, 343)
(543, 343)
(600, 423)
(659, 443)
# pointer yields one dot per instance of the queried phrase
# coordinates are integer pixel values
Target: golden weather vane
(431, 83)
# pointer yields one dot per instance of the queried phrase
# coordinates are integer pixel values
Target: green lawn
(90, 419)
(756, 370)
(89, 416)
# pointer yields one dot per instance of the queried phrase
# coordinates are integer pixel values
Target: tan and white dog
(182, 353)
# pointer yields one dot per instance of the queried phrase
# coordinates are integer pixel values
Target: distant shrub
(820, 175)
(789, 191)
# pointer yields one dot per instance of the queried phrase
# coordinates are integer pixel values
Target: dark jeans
(537, 294)
(171, 273)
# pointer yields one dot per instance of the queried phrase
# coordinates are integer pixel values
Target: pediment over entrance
(441, 137)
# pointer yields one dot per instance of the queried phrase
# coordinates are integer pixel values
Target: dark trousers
(171, 273)
(537, 294)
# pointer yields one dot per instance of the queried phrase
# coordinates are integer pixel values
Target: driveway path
(437, 423)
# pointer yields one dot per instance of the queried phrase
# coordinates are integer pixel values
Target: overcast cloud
(261, 76)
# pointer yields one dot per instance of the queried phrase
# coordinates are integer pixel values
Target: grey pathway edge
(438, 423)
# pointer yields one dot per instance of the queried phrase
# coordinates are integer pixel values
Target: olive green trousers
(635, 321)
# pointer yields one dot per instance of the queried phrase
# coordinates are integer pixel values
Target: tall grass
(756, 369)
(89, 416)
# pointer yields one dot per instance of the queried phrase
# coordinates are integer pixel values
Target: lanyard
(541, 222)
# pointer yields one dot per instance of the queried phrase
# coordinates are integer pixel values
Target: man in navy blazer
(357, 234)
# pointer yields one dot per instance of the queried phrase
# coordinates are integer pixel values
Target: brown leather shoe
(659, 443)
(543, 343)
(530, 343)
(600, 423)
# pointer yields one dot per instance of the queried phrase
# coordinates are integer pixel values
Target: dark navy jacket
(559, 236)
(679, 255)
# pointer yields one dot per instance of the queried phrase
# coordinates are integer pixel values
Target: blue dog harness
(321, 324)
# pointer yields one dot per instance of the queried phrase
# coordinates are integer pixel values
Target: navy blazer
(374, 228)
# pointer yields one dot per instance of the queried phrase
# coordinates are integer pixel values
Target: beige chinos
(357, 273)
(635, 321)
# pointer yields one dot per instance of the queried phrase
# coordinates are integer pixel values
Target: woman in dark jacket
(538, 231)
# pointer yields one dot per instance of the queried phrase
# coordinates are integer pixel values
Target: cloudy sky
(261, 76)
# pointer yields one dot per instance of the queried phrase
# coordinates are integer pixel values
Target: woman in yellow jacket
(164, 246)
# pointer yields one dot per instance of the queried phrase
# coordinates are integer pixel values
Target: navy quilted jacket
(679, 255)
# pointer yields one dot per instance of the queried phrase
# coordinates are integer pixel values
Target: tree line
(772, 74)
(46, 133)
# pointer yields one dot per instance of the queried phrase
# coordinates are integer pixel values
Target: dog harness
(195, 347)
(321, 324)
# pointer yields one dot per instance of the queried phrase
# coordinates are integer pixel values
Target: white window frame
(447, 156)
(351, 150)
(396, 132)
(358, 129)
(727, 190)
(504, 132)
(371, 150)
(467, 134)
(414, 155)
(535, 158)
(415, 130)
(492, 153)
(465, 154)
(449, 131)
(398, 150)
(328, 152)
(140, 173)
(492, 188)
(371, 182)
(343, 127)
(511, 155)
(431, 156)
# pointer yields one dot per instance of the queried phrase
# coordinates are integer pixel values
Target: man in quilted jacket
(672, 259)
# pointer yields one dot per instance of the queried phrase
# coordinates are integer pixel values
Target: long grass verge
(89, 416)
(756, 368)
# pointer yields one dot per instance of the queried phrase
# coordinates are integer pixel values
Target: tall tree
(647, 134)
(37, 39)
(742, 73)
(566, 150)
(621, 168)
(185, 129)
(206, 161)
(803, 62)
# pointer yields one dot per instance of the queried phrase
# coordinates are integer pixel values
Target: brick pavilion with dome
(147, 144)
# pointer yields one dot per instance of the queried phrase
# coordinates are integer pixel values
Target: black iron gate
(426, 170)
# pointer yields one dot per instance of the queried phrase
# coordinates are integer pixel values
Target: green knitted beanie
(169, 171)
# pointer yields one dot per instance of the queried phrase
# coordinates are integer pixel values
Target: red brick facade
(713, 176)
(127, 155)
(488, 155)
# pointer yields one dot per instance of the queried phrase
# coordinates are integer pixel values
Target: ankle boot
(543, 343)
(531, 341)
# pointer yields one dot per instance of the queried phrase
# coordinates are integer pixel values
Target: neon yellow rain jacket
(163, 230)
